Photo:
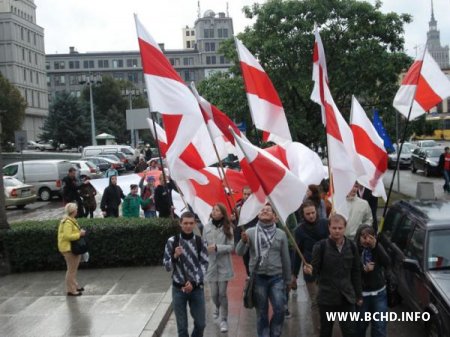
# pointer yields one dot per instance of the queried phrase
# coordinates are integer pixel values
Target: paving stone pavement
(126, 302)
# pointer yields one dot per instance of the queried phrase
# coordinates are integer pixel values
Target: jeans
(269, 288)
(372, 304)
(196, 301)
(219, 297)
(313, 289)
(446, 174)
(150, 214)
(348, 327)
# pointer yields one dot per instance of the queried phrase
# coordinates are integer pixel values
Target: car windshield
(434, 152)
(439, 250)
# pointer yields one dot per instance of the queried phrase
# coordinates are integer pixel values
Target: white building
(22, 59)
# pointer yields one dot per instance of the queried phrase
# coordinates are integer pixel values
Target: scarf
(217, 223)
(265, 235)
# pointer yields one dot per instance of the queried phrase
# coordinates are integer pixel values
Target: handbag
(79, 247)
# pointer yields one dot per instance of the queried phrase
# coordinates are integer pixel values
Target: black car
(101, 163)
(426, 159)
(416, 234)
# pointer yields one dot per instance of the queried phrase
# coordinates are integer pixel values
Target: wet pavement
(126, 302)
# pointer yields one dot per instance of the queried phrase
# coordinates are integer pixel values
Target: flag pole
(287, 230)
(402, 141)
(153, 116)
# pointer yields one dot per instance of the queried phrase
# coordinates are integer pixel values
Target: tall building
(22, 59)
(198, 58)
(439, 53)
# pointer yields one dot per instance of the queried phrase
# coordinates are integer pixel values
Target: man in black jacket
(336, 263)
(111, 199)
(70, 191)
(310, 231)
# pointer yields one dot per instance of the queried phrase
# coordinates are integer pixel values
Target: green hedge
(113, 242)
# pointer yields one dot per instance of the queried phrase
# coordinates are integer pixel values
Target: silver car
(87, 169)
(405, 156)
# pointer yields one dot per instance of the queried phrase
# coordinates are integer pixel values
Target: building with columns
(22, 60)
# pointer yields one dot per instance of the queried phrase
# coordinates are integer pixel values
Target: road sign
(20, 140)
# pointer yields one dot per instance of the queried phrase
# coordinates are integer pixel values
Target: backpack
(198, 244)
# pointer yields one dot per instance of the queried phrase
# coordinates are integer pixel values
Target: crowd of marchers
(343, 265)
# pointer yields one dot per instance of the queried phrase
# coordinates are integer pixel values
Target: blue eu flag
(378, 124)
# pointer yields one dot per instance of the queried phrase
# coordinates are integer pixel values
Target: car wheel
(434, 327)
(20, 206)
(45, 194)
(413, 168)
(426, 171)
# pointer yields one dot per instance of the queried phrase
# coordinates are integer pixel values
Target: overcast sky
(108, 25)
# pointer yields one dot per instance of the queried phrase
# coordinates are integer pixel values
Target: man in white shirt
(359, 212)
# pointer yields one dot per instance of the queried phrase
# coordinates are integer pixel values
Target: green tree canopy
(363, 46)
(67, 122)
(12, 110)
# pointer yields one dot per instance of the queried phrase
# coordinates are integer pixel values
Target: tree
(110, 106)
(67, 122)
(12, 110)
(364, 49)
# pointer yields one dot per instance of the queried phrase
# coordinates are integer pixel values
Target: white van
(92, 151)
(45, 175)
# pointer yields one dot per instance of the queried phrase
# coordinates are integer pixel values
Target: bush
(113, 242)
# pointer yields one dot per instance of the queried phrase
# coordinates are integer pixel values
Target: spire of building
(433, 22)
(440, 53)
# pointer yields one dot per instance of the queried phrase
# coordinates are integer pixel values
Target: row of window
(209, 33)
(75, 79)
(27, 35)
(32, 97)
(22, 14)
(30, 76)
(190, 33)
(90, 64)
(213, 59)
(29, 56)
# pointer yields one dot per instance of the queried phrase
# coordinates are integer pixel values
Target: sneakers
(223, 326)
(216, 314)
(287, 314)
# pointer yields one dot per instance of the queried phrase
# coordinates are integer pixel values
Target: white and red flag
(265, 105)
(168, 94)
(370, 148)
(424, 86)
(343, 160)
(217, 123)
(269, 180)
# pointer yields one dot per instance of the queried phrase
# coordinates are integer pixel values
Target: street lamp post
(130, 93)
(91, 80)
(4, 225)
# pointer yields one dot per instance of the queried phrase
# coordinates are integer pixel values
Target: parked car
(118, 156)
(427, 143)
(17, 193)
(44, 175)
(87, 169)
(32, 145)
(101, 163)
(405, 156)
(415, 234)
(426, 159)
(45, 146)
(116, 162)
(91, 151)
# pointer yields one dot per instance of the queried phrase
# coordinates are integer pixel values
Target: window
(401, 232)
(24, 75)
(189, 75)
(187, 33)
(74, 79)
(188, 44)
(37, 78)
(103, 63)
(48, 80)
(87, 64)
(414, 250)
(59, 80)
(23, 54)
(28, 36)
(210, 46)
(133, 77)
(174, 61)
(74, 64)
(31, 76)
(22, 32)
(35, 58)
(210, 60)
(392, 219)
(10, 170)
(117, 63)
(118, 76)
(29, 56)
(188, 61)
(208, 33)
(132, 63)
(222, 32)
(34, 38)
(223, 60)
(192, 32)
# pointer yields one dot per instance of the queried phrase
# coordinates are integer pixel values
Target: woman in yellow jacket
(68, 231)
